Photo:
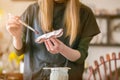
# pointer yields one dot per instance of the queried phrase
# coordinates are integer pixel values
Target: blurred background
(107, 13)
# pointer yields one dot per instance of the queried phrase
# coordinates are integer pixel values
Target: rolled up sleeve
(89, 29)
(83, 49)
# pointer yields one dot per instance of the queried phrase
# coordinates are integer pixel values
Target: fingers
(54, 41)
(13, 20)
(11, 16)
(10, 25)
(13, 26)
(52, 46)
(47, 46)
(41, 40)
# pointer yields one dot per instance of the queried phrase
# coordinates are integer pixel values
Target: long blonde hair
(71, 17)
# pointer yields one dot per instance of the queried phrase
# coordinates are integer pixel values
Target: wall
(96, 51)
(105, 4)
(14, 7)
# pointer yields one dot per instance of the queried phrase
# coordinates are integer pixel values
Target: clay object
(55, 33)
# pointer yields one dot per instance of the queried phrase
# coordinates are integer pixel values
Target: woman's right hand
(14, 27)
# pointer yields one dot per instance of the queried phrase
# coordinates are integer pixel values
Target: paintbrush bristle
(36, 32)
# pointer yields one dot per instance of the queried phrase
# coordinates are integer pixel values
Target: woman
(71, 50)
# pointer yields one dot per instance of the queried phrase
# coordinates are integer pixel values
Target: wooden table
(11, 76)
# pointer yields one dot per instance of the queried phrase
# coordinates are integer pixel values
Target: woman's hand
(14, 27)
(53, 45)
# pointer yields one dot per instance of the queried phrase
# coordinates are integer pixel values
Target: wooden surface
(11, 76)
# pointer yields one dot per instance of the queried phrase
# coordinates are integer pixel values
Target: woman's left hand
(53, 45)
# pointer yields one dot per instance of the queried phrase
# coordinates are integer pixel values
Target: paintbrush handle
(26, 25)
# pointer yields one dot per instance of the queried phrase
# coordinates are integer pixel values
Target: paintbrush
(26, 25)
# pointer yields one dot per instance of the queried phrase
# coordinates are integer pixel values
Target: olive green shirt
(36, 55)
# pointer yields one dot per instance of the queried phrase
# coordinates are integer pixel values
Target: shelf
(107, 16)
(110, 30)
(11, 76)
(110, 45)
